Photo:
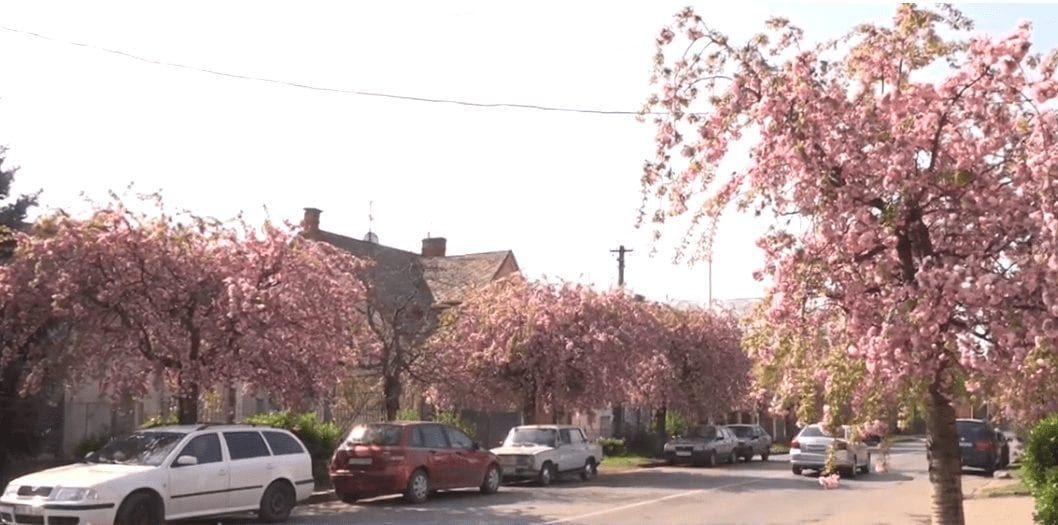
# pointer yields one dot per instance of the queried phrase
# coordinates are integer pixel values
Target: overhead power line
(377, 94)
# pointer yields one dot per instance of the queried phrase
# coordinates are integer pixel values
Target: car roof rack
(205, 425)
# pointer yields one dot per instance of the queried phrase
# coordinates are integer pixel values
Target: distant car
(544, 452)
(413, 458)
(167, 473)
(810, 449)
(752, 441)
(1004, 448)
(979, 446)
(702, 445)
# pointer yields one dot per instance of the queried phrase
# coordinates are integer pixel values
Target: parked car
(1004, 448)
(413, 458)
(702, 444)
(544, 452)
(168, 473)
(752, 441)
(979, 446)
(810, 449)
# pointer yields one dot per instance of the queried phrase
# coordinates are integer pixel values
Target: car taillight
(340, 458)
(983, 445)
(795, 444)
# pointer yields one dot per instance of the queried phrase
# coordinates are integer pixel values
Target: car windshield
(527, 437)
(139, 448)
(375, 435)
(702, 432)
(742, 432)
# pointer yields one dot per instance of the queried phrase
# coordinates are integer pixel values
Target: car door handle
(222, 472)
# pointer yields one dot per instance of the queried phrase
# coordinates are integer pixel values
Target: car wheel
(590, 470)
(418, 487)
(139, 508)
(711, 461)
(851, 472)
(764, 455)
(867, 466)
(346, 498)
(546, 475)
(797, 470)
(491, 483)
(276, 502)
(732, 458)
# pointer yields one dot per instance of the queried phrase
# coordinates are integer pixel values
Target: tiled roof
(396, 275)
(451, 278)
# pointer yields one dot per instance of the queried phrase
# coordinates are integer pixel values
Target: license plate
(359, 461)
(29, 510)
(965, 445)
(681, 453)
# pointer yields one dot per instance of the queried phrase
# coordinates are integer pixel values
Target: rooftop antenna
(371, 237)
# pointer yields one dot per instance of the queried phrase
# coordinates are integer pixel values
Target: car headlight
(11, 490)
(73, 494)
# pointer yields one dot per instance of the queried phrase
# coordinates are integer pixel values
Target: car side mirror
(186, 461)
(91, 457)
(475, 446)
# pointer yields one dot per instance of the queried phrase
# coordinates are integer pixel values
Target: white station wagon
(167, 473)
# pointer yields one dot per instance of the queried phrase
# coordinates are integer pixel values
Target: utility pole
(621, 251)
(617, 420)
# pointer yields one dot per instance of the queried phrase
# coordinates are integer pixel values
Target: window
(433, 436)
(814, 431)
(578, 437)
(416, 437)
(458, 439)
(243, 445)
(375, 434)
(563, 436)
(204, 448)
(140, 448)
(282, 444)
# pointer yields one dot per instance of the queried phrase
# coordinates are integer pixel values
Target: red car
(413, 458)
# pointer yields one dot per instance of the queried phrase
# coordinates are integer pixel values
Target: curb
(322, 496)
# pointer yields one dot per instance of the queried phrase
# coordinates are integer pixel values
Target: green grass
(628, 462)
(780, 448)
(1015, 488)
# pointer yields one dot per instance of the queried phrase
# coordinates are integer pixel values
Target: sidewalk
(980, 509)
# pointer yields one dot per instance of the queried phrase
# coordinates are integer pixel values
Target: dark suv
(978, 446)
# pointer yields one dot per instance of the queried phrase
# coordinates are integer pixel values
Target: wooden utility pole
(621, 251)
(618, 420)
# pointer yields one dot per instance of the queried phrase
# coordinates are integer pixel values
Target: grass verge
(780, 448)
(1016, 487)
(615, 463)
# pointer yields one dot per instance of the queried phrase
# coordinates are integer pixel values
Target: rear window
(375, 435)
(282, 444)
(703, 432)
(742, 432)
(971, 429)
(814, 431)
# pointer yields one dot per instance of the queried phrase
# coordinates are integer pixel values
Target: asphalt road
(745, 493)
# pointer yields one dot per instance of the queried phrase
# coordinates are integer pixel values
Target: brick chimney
(433, 247)
(311, 222)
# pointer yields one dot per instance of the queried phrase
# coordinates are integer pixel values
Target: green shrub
(319, 437)
(160, 421)
(675, 423)
(90, 444)
(408, 414)
(1039, 466)
(453, 418)
(613, 447)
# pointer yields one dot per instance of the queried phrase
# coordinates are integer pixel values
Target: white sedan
(166, 473)
(810, 449)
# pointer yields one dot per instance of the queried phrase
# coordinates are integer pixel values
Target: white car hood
(521, 451)
(82, 475)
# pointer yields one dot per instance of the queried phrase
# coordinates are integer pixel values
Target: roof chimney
(311, 222)
(433, 247)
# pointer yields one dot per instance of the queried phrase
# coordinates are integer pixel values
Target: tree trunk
(187, 404)
(231, 403)
(945, 468)
(391, 390)
(618, 421)
(660, 422)
(529, 410)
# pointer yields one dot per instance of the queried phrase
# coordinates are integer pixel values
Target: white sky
(560, 189)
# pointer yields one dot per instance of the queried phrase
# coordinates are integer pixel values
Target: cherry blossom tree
(923, 171)
(199, 302)
(538, 347)
(698, 367)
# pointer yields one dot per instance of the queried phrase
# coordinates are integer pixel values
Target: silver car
(809, 450)
(702, 445)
